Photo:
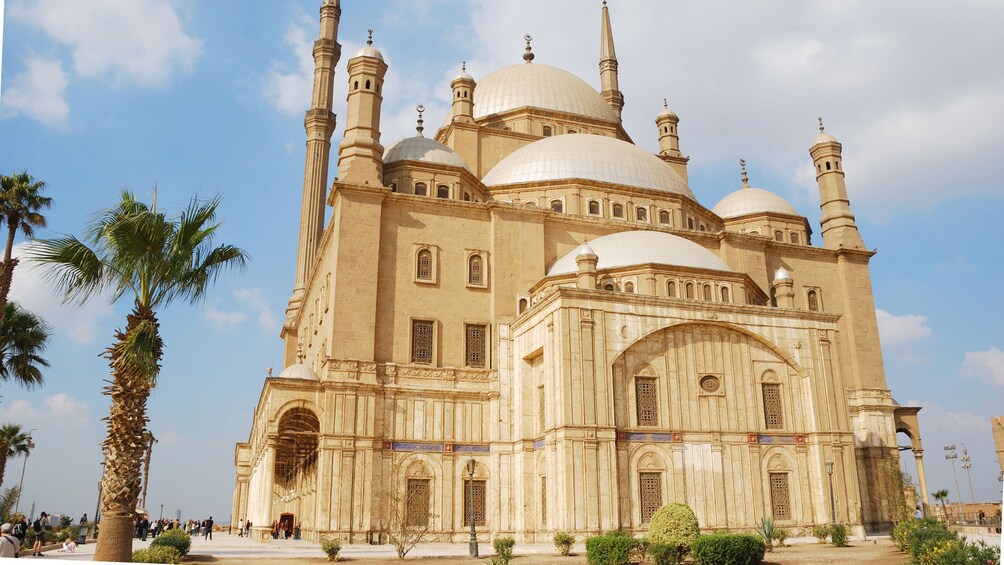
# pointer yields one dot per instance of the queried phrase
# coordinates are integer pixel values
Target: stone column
(919, 456)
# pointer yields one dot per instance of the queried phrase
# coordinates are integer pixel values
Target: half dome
(585, 156)
(299, 371)
(625, 249)
(748, 200)
(539, 86)
(425, 150)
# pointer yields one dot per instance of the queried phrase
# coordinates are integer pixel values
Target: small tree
(897, 483)
(941, 496)
(563, 541)
(396, 510)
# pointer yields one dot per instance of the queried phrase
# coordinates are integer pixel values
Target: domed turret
(360, 155)
(668, 123)
(748, 200)
(783, 289)
(463, 96)
(837, 222)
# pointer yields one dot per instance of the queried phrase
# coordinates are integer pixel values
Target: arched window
(827, 165)
(571, 131)
(557, 206)
(664, 217)
(423, 267)
(707, 292)
(594, 207)
(690, 223)
(393, 187)
(794, 237)
(547, 131)
(703, 228)
(778, 235)
(475, 270)
(523, 303)
(725, 294)
(442, 191)
(641, 214)
(355, 85)
(813, 300)
(608, 286)
(690, 291)
(367, 84)
(467, 196)
(421, 189)
(629, 287)
(618, 211)
(671, 289)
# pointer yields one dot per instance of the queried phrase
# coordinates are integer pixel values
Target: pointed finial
(528, 56)
(369, 37)
(820, 124)
(463, 66)
(746, 180)
(665, 103)
(604, 3)
(419, 127)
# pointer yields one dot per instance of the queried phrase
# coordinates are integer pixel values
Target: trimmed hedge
(674, 525)
(175, 538)
(614, 548)
(728, 549)
(663, 554)
(162, 554)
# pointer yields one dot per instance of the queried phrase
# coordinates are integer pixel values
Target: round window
(710, 384)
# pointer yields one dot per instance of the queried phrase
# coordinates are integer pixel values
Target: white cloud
(901, 330)
(22, 411)
(136, 41)
(254, 299)
(38, 91)
(80, 323)
(985, 365)
(65, 409)
(222, 318)
(287, 87)
(59, 408)
(965, 422)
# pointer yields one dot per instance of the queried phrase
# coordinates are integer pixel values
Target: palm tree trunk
(123, 447)
(7, 271)
(3, 460)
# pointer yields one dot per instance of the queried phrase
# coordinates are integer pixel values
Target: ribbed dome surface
(639, 247)
(748, 200)
(368, 51)
(585, 156)
(423, 149)
(539, 86)
(298, 371)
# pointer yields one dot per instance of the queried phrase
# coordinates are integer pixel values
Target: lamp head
(470, 466)
(829, 467)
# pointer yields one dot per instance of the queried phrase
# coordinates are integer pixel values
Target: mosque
(525, 320)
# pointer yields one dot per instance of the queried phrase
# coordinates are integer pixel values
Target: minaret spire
(610, 89)
(319, 123)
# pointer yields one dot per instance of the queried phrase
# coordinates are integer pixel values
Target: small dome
(539, 86)
(584, 250)
(464, 75)
(666, 113)
(298, 371)
(369, 51)
(640, 247)
(824, 137)
(782, 274)
(423, 149)
(752, 201)
(586, 156)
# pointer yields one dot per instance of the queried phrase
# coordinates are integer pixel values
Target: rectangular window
(477, 493)
(772, 406)
(779, 499)
(543, 501)
(421, 341)
(651, 495)
(646, 397)
(541, 403)
(417, 503)
(475, 345)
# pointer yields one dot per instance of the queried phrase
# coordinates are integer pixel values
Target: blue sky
(208, 97)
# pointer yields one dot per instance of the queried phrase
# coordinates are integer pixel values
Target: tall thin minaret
(838, 226)
(609, 88)
(320, 124)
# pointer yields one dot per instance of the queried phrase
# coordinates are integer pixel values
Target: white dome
(629, 248)
(782, 274)
(539, 86)
(752, 201)
(423, 149)
(368, 51)
(298, 371)
(586, 156)
(824, 137)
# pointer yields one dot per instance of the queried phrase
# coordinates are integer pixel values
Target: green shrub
(821, 531)
(162, 554)
(838, 535)
(780, 534)
(563, 541)
(663, 554)
(729, 549)
(766, 531)
(926, 530)
(900, 534)
(503, 547)
(613, 548)
(331, 547)
(175, 538)
(674, 525)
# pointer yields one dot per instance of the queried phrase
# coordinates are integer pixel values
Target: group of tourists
(145, 527)
(203, 528)
(280, 529)
(12, 535)
(244, 528)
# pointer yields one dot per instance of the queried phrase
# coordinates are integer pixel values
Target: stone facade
(706, 362)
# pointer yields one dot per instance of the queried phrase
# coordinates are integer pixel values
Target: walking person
(247, 529)
(209, 529)
(39, 527)
(240, 528)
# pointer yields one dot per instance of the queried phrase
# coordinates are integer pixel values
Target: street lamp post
(952, 456)
(24, 464)
(833, 504)
(967, 466)
(470, 501)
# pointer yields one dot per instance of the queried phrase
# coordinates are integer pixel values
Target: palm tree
(24, 337)
(150, 440)
(20, 203)
(153, 260)
(13, 442)
(941, 496)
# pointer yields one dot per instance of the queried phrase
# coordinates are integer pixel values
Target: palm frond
(71, 266)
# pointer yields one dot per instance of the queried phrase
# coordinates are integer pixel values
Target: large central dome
(586, 156)
(539, 86)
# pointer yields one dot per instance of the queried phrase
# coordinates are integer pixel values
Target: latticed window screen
(664, 217)
(778, 235)
(424, 267)
(648, 404)
(421, 189)
(541, 402)
(594, 207)
(772, 406)
(475, 270)
(543, 501)
(651, 495)
(421, 341)
(417, 503)
(475, 346)
(557, 206)
(707, 292)
(813, 301)
(442, 191)
(477, 493)
(725, 294)
(780, 500)
(642, 214)
(618, 211)
(690, 291)
(671, 289)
